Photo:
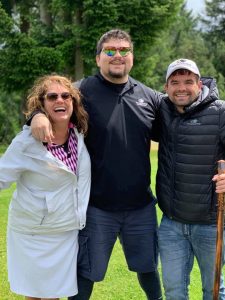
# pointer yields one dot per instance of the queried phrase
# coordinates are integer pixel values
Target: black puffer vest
(190, 145)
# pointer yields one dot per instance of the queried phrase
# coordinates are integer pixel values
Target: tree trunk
(45, 15)
(79, 65)
(24, 11)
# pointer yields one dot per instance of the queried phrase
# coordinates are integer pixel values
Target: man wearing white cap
(192, 140)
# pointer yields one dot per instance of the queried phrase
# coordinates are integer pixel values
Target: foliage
(9, 112)
(37, 44)
(182, 39)
(22, 61)
(214, 35)
(6, 25)
(215, 20)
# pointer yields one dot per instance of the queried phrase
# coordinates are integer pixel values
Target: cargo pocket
(83, 259)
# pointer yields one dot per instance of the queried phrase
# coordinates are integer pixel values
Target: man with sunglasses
(121, 113)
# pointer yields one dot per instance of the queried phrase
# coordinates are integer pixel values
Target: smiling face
(183, 89)
(115, 68)
(60, 108)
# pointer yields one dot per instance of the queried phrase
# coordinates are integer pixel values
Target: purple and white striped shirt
(67, 152)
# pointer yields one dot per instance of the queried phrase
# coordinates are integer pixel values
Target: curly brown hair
(35, 99)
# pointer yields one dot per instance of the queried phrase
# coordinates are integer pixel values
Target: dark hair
(113, 34)
(183, 72)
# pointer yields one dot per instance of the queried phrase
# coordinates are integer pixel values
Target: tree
(9, 117)
(40, 36)
(182, 39)
(215, 32)
(215, 20)
(66, 32)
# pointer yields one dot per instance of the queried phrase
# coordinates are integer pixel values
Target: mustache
(120, 59)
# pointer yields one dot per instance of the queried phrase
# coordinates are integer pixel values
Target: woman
(49, 205)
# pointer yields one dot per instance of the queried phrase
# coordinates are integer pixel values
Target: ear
(200, 84)
(165, 87)
(97, 59)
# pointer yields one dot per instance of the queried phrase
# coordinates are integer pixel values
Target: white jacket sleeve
(12, 163)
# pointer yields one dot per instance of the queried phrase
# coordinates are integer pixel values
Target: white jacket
(49, 197)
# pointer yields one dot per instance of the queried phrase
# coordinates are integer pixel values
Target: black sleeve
(156, 127)
(37, 111)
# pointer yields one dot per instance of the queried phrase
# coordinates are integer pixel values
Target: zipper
(124, 91)
(174, 134)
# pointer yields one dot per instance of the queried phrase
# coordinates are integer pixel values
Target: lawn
(119, 283)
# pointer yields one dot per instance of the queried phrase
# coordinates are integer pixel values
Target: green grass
(119, 283)
(2, 148)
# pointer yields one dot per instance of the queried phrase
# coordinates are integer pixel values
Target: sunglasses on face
(111, 51)
(55, 96)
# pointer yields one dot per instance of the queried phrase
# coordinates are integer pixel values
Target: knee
(89, 264)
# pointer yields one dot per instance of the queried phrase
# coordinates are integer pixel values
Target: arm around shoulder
(41, 128)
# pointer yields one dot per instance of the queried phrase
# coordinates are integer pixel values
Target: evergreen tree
(183, 39)
(214, 25)
(60, 35)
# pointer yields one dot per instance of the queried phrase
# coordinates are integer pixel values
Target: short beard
(117, 75)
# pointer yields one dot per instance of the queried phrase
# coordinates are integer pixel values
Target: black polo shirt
(118, 141)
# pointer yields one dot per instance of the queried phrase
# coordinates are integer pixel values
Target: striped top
(67, 152)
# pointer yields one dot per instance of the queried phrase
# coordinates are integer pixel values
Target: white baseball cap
(182, 63)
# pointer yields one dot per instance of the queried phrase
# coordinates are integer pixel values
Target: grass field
(119, 284)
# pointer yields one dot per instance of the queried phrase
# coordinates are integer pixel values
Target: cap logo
(182, 63)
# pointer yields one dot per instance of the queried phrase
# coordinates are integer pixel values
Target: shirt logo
(141, 102)
(193, 122)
